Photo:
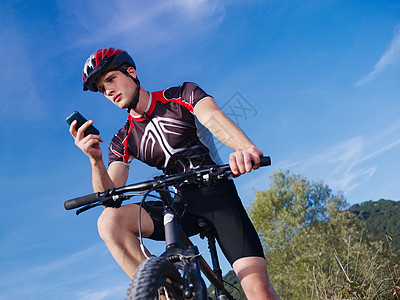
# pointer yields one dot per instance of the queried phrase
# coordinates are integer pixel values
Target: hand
(90, 144)
(244, 160)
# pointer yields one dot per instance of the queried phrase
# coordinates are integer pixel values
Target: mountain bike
(175, 274)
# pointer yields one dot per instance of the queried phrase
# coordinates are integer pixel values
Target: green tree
(314, 245)
(382, 219)
(290, 204)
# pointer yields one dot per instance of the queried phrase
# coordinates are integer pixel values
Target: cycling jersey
(167, 136)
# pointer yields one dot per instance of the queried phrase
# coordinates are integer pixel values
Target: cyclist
(162, 130)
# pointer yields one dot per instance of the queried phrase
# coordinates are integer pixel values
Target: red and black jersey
(168, 136)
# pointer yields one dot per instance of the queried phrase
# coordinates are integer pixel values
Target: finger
(89, 144)
(82, 129)
(248, 162)
(94, 136)
(255, 161)
(255, 155)
(92, 143)
(233, 164)
(72, 128)
(242, 162)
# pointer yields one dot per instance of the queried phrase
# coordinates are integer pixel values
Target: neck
(143, 104)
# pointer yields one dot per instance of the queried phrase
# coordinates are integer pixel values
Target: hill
(233, 287)
(382, 219)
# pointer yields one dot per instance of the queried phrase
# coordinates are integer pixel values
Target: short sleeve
(192, 93)
(117, 151)
(188, 94)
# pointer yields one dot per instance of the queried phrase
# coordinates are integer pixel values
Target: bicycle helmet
(105, 60)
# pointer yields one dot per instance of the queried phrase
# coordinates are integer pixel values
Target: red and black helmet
(102, 61)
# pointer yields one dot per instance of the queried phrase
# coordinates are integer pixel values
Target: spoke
(164, 294)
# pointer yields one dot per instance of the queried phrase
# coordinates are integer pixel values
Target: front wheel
(156, 278)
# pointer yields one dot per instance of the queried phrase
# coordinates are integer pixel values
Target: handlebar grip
(81, 201)
(265, 161)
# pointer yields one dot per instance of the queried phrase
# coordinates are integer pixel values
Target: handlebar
(199, 176)
(81, 201)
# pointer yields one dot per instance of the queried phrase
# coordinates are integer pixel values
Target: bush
(316, 248)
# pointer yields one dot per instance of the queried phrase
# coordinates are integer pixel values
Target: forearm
(246, 155)
(90, 145)
(225, 130)
(101, 180)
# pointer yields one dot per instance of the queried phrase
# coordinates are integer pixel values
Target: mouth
(116, 98)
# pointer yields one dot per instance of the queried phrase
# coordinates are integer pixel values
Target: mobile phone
(81, 120)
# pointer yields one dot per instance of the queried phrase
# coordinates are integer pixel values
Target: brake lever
(215, 175)
(114, 201)
(85, 208)
(107, 201)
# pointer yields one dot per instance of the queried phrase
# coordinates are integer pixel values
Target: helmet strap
(135, 99)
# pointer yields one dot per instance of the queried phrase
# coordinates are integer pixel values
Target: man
(161, 131)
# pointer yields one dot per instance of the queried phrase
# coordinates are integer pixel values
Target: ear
(132, 72)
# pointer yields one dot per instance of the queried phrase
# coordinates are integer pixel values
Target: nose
(108, 90)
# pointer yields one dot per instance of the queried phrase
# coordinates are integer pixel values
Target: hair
(126, 66)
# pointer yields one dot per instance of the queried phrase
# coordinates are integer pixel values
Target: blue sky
(315, 84)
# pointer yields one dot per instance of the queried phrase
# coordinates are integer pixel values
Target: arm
(102, 179)
(223, 128)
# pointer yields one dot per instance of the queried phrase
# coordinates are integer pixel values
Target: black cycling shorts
(221, 206)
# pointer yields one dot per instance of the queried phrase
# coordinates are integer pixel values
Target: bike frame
(174, 237)
(179, 248)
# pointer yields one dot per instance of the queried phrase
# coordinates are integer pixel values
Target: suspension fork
(172, 237)
(192, 281)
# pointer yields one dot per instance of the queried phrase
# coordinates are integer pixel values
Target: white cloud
(101, 294)
(144, 24)
(351, 163)
(52, 267)
(79, 269)
(62, 263)
(389, 57)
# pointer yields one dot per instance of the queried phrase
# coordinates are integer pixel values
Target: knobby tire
(154, 276)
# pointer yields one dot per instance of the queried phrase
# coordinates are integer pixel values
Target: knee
(109, 224)
(247, 265)
(117, 224)
(253, 275)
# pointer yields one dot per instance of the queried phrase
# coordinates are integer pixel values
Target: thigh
(236, 234)
(126, 217)
(234, 230)
(155, 210)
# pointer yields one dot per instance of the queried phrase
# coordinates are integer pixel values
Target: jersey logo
(158, 133)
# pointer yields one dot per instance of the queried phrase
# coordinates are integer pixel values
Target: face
(118, 88)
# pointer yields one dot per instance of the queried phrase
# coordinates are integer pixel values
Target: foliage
(382, 219)
(232, 286)
(316, 249)
(289, 205)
